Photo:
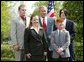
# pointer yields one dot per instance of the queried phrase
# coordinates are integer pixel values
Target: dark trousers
(36, 58)
(49, 55)
(71, 49)
(60, 59)
(22, 57)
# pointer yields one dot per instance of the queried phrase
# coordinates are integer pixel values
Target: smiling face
(35, 21)
(43, 11)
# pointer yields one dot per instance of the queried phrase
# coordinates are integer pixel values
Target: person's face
(35, 22)
(60, 26)
(62, 15)
(43, 12)
(22, 11)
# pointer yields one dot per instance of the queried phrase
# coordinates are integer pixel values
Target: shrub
(6, 51)
(7, 59)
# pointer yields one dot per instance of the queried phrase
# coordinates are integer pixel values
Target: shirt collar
(61, 30)
(65, 20)
(42, 18)
(34, 28)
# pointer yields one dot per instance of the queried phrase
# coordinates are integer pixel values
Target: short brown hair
(59, 20)
(22, 5)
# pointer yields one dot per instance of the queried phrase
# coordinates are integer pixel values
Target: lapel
(40, 22)
(67, 24)
(56, 37)
(35, 34)
(21, 21)
(57, 34)
(25, 23)
(49, 22)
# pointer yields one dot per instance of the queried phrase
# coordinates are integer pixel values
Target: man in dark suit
(48, 24)
(70, 26)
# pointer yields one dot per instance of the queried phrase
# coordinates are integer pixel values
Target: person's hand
(45, 53)
(16, 47)
(60, 51)
(28, 55)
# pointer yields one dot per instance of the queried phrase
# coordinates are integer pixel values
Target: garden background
(75, 9)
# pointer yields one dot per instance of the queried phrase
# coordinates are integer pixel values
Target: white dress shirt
(42, 20)
(64, 22)
(37, 30)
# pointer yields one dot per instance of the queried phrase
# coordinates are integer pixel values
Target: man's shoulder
(50, 19)
(53, 32)
(14, 19)
(70, 21)
(64, 30)
(27, 29)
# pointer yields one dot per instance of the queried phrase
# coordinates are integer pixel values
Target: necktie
(23, 18)
(44, 24)
(59, 36)
(59, 32)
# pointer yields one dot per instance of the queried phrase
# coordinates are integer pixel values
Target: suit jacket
(62, 42)
(50, 27)
(34, 43)
(70, 26)
(17, 31)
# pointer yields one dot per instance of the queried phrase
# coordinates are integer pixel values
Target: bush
(6, 51)
(7, 59)
(75, 9)
(78, 51)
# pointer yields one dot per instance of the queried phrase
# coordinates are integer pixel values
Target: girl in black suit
(35, 41)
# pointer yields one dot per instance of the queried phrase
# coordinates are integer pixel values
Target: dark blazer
(70, 26)
(34, 43)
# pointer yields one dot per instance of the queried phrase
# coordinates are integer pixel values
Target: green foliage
(58, 6)
(79, 51)
(5, 17)
(4, 10)
(6, 52)
(1, 37)
(7, 59)
(75, 9)
(38, 4)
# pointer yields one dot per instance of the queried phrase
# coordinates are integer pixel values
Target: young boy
(60, 41)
